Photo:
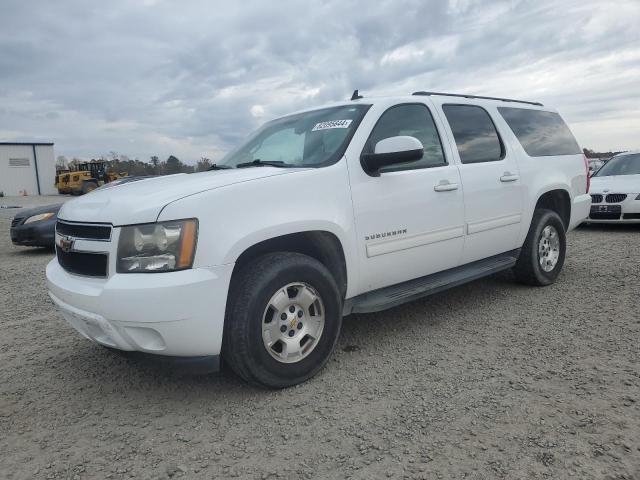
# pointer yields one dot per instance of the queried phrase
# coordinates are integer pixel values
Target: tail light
(586, 167)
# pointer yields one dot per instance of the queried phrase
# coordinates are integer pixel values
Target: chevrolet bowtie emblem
(66, 244)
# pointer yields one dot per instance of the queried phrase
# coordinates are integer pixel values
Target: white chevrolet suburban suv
(354, 207)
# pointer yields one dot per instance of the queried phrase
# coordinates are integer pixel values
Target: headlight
(39, 217)
(157, 247)
(638, 197)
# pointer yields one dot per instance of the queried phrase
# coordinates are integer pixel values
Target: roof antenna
(355, 95)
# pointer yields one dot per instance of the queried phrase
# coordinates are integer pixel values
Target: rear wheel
(542, 255)
(283, 319)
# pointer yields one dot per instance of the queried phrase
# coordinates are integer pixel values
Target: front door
(410, 219)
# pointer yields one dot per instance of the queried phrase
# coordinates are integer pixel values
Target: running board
(394, 295)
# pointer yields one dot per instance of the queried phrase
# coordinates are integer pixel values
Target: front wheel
(283, 319)
(544, 249)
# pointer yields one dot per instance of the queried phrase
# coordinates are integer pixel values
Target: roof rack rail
(477, 96)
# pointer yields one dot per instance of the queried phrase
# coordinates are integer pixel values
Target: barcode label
(331, 124)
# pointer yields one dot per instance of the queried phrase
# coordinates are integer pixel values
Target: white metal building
(27, 168)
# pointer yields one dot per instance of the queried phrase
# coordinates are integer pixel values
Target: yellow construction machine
(85, 177)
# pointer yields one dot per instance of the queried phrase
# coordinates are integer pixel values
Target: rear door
(490, 179)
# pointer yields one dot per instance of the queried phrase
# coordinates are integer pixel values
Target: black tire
(528, 269)
(251, 289)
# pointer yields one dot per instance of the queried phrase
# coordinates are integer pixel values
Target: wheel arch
(322, 245)
(557, 200)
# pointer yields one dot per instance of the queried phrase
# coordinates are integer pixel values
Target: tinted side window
(413, 120)
(475, 134)
(540, 133)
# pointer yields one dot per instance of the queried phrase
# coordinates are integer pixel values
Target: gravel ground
(489, 380)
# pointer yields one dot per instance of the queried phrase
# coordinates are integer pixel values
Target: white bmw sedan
(615, 190)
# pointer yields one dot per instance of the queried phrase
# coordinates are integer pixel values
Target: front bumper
(627, 211)
(171, 314)
(619, 220)
(36, 234)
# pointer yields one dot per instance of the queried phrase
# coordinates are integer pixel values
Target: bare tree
(75, 162)
(204, 164)
(62, 162)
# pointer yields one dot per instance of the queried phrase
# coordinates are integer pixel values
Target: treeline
(136, 167)
(155, 166)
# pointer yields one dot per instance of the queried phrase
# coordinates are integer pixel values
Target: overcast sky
(191, 78)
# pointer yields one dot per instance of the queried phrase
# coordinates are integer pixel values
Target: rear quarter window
(540, 133)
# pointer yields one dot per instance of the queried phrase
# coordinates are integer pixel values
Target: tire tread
(525, 268)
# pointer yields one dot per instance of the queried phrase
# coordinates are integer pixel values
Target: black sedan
(35, 227)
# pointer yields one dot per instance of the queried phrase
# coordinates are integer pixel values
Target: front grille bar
(90, 264)
(84, 231)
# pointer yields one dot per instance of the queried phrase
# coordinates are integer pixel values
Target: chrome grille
(596, 198)
(83, 262)
(615, 197)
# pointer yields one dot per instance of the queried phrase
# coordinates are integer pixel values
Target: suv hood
(142, 201)
(616, 184)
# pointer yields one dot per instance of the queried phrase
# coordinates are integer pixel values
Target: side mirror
(391, 151)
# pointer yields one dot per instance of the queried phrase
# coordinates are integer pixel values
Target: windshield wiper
(264, 163)
(218, 167)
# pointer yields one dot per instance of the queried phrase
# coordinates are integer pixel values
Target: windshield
(309, 139)
(621, 165)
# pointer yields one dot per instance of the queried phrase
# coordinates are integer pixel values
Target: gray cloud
(192, 78)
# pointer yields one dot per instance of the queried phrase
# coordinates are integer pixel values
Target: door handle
(509, 177)
(445, 186)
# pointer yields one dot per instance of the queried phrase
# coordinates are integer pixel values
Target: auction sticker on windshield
(332, 124)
